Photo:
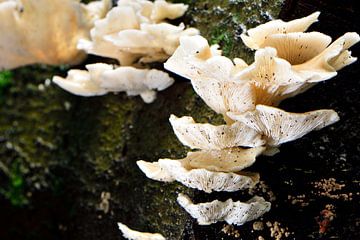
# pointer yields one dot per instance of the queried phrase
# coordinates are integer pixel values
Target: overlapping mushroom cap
(135, 30)
(212, 75)
(45, 31)
(309, 53)
(169, 170)
(209, 137)
(236, 213)
(287, 63)
(256, 38)
(279, 126)
(216, 166)
(103, 78)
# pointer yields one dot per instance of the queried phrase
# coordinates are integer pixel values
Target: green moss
(222, 22)
(5, 79)
(15, 189)
(5, 82)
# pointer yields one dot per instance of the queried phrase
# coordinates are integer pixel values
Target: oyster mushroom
(280, 127)
(212, 75)
(236, 213)
(101, 78)
(210, 137)
(255, 38)
(136, 30)
(167, 170)
(44, 31)
(309, 54)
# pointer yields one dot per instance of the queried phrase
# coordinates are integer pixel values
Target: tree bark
(59, 152)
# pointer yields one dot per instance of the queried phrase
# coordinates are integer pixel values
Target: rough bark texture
(58, 152)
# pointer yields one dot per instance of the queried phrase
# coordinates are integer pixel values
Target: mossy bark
(59, 152)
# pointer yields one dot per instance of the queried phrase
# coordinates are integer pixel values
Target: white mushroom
(236, 213)
(326, 64)
(45, 31)
(225, 160)
(308, 53)
(153, 42)
(272, 78)
(135, 235)
(212, 75)
(279, 126)
(255, 38)
(134, 30)
(207, 136)
(297, 48)
(103, 78)
(168, 170)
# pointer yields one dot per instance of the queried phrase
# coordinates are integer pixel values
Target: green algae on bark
(222, 22)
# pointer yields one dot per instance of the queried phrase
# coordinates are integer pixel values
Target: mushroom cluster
(133, 33)
(45, 31)
(287, 62)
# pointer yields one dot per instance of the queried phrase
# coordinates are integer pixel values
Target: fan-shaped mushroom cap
(298, 47)
(232, 212)
(167, 170)
(279, 126)
(255, 38)
(210, 137)
(44, 31)
(134, 31)
(103, 78)
(135, 235)
(326, 64)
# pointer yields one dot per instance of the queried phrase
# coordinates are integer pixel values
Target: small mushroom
(168, 170)
(45, 31)
(236, 213)
(210, 137)
(135, 235)
(103, 78)
(280, 127)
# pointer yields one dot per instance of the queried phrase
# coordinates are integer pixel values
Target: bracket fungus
(101, 78)
(309, 53)
(287, 62)
(45, 31)
(236, 213)
(133, 31)
(136, 30)
(279, 126)
(135, 235)
(212, 75)
(168, 170)
(207, 136)
(254, 38)
(216, 166)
